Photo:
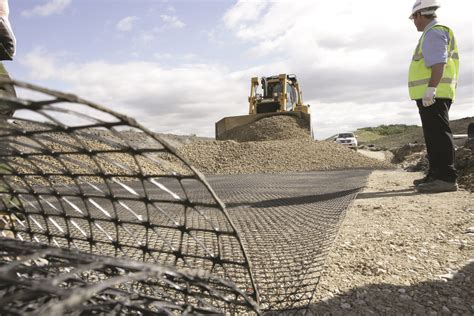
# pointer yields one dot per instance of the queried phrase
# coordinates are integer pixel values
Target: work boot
(428, 178)
(437, 186)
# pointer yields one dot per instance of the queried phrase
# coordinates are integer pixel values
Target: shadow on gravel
(371, 195)
(296, 200)
(443, 297)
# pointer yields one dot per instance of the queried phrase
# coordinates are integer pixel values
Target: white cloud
(185, 58)
(351, 62)
(49, 8)
(126, 24)
(244, 11)
(172, 21)
(147, 37)
(41, 63)
(186, 99)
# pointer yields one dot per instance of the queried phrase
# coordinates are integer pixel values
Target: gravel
(401, 253)
(270, 128)
(397, 252)
(288, 149)
(230, 157)
(282, 144)
(89, 152)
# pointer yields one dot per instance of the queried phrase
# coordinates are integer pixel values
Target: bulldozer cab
(275, 89)
(281, 93)
(269, 96)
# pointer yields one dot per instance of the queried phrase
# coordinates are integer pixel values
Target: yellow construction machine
(281, 96)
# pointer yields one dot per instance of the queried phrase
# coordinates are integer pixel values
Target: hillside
(392, 136)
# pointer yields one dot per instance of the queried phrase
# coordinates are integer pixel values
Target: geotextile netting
(84, 181)
(76, 175)
(42, 280)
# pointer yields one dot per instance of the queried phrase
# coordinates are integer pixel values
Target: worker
(432, 82)
(7, 51)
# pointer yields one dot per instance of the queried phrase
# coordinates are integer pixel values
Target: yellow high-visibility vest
(420, 75)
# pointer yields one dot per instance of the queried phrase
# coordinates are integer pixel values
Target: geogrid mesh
(288, 223)
(42, 280)
(76, 175)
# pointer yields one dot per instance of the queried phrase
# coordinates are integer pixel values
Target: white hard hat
(423, 4)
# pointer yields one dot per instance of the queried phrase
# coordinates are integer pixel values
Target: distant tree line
(391, 129)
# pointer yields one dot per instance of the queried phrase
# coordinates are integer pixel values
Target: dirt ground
(380, 155)
(397, 253)
(401, 253)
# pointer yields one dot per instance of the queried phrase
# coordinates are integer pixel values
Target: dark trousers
(438, 139)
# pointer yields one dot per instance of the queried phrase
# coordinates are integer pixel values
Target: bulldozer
(281, 96)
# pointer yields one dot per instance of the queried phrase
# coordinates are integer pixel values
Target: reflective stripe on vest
(420, 75)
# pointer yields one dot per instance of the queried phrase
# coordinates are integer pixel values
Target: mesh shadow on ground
(93, 188)
(298, 200)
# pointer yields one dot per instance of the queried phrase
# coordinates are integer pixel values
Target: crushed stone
(289, 149)
(401, 253)
(283, 144)
(270, 128)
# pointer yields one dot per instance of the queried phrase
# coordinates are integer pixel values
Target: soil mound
(401, 153)
(465, 166)
(290, 155)
(270, 128)
(413, 157)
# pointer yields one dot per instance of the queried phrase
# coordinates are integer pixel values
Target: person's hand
(429, 97)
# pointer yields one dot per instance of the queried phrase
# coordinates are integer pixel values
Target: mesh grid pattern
(288, 223)
(67, 166)
(76, 175)
(41, 280)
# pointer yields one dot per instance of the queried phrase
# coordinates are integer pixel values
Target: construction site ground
(400, 252)
(397, 251)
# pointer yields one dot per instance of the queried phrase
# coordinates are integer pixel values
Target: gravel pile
(400, 154)
(284, 145)
(295, 151)
(230, 157)
(89, 152)
(465, 166)
(270, 128)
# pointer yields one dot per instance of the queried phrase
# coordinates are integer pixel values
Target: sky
(180, 66)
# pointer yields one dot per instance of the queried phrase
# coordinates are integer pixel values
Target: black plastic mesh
(74, 174)
(288, 223)
(41, 280)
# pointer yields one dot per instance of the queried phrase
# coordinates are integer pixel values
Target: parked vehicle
(347, 139)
